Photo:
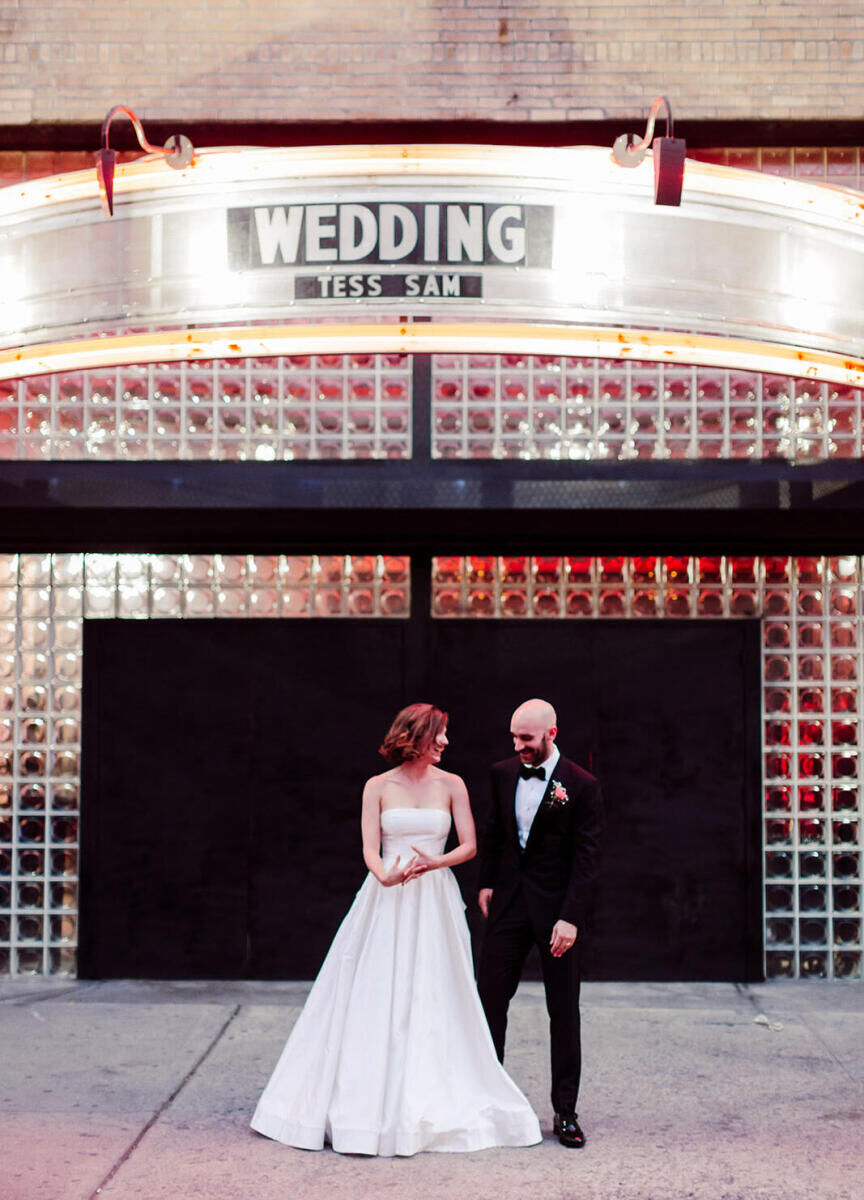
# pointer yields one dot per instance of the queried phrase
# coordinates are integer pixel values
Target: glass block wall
(44, 600)
(542, 406)
(812, 668)
(299, 407)
(841, 166)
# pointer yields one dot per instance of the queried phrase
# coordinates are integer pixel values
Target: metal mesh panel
(540, 406)
(812, 669)
(44, 600)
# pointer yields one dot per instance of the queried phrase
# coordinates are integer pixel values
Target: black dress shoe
(567, 1130)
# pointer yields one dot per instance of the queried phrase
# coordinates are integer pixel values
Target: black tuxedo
(549, 880)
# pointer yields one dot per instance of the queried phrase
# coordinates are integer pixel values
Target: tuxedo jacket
(557, 868)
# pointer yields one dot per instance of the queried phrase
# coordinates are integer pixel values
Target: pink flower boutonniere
(558, 797)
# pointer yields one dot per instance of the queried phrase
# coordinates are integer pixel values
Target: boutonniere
(558, 796)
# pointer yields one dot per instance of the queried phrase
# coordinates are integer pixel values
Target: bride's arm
(464, 822)
(370, 825)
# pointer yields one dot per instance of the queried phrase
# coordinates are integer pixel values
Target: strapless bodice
(402, 828)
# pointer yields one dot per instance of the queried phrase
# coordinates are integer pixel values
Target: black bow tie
(532, 772)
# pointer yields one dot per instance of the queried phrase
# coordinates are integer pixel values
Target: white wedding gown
(391, 1053)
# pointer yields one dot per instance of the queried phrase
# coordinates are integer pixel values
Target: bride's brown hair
(413, 731)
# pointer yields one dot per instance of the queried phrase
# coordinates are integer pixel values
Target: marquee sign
(455, 234)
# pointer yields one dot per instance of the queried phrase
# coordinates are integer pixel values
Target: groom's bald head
(533, 728)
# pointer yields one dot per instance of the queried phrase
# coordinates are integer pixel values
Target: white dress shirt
(529, 793)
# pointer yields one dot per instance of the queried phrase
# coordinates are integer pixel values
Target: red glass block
(547, 603)
(645, 603)
(579, 570)
(447, 603)
(844, 635)
(579, 389)
(778, 832)
(811, 831)
(743, 603)
(778, 799)
(776, 603)
(811, 666)
(361, 602)
(843, 569)
(677, 603)
(844, 799)
(394, 601)
(513, 361)
(710, 389)
(811, 733)
(809, 569)
(811, 766)
(447, 569)
(810, 603)
(811, 700)
(448, 391)
(514, 602)
(844, 733)
(778, 733)
(363, 568)
(514, 569)
(844, 700)
(644, 570)
(396, 568)
(776, 569)
(809, 634)
(843, 666)
(677, 569)
(330, 361)
(810, 799)
(844, 832)
(710, 603)
(481, 603)
(778, 700)
(481, 390)
(611, 569)
(612, 603)
(778, 766)
(547, 570)
(514, 390)
(480, 569)
(776, 634)
(845, 765)
(481, 420)
(743, 569)
(579, 604)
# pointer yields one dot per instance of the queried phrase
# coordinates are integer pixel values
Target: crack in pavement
(166, 1104)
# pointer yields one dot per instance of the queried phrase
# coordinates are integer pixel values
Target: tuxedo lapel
(509, 800)
(536, 829)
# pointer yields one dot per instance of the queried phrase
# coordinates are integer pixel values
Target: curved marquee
(457, 234)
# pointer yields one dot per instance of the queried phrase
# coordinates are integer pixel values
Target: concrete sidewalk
(713, 1091)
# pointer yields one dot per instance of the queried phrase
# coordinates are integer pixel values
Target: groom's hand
(563, 937)
(484, 899)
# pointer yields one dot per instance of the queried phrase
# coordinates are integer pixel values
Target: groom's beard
(534, 757)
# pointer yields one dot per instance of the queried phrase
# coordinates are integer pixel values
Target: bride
(391, 1053)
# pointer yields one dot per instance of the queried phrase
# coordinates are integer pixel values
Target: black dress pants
(509, 937)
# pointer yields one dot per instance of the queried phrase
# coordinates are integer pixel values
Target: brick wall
(272, 60)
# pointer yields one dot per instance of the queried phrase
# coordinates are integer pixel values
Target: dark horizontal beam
(433, 506)
(433, 531)
(85, 135)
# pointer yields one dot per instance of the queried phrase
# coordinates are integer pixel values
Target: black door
(224, 761)
(223, 765)
(666, 714)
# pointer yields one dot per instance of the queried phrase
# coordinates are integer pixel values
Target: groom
(538, 860)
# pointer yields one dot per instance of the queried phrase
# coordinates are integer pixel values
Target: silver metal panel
(744, 255)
